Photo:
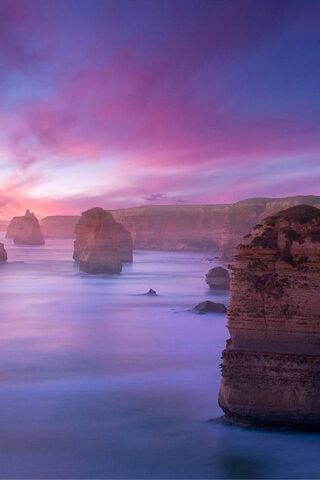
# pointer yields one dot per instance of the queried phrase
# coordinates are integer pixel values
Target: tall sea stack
(101, 244)
(271, 365)
(28, 231)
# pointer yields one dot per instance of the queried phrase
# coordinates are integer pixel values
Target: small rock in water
(208, 306)
(152, 293)
(218, 278)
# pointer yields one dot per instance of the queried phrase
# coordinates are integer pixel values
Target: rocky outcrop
(101, 244)
(242, 216)
(59, 226)
(218, 278)
(210, 307)
(28, 231)
(271, 366)
(3, 254)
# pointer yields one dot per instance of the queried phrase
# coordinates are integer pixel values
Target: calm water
(99, 381)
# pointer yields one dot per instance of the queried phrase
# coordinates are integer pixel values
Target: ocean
(99, 380)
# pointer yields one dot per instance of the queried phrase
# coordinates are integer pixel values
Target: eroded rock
(101, 244)
(210, 307)
(218, 278)
(271, 366)
(28, 230)
(151, 293)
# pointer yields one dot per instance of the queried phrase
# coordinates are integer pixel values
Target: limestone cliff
(3, 254)
(59, 226)
(174, 227)
(101, 243)
(28, 231)
(186, 227)
(271, 366)
(242, 216)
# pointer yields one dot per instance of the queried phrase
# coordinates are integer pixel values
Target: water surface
(100, 381)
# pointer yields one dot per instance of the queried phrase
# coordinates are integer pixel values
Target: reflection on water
(98, 381)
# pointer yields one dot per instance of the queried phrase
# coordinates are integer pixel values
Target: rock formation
(210, 307)
(28, 231)
(271, 365)
(151, 293)
(186, 227)
(13, 227)
(3, 254)
(101, 244)
(218, 278)
(59, 226)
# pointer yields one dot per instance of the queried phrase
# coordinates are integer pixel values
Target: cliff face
(271, 366)
(101, 244)
(28, 231)
(3, 254)
(174, 227)
(59, 226)
(242, 216)
(186, 227)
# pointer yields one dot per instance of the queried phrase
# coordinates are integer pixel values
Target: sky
(132, 102)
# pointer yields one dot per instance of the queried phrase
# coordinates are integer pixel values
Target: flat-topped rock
(271, 366)
(28, 230)
(101, 243)
(3, 254)
(218, 278)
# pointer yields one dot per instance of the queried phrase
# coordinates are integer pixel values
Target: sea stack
(3, 254)
(13, 227)
(28, 231)
(101, 244)
(271, 365)
(218, 278)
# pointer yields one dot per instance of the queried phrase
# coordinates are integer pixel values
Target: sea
(100, 381)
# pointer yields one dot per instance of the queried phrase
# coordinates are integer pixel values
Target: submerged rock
(3, 254)
(28, 230)
(271, 365)
(210, 307)
(151, 293)
(218, 278)
(101, 244)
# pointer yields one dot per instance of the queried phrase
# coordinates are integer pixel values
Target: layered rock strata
(271, 365)
(28, 231)
(186, 227)
(3, 254)
(218, 278)
(101, 243)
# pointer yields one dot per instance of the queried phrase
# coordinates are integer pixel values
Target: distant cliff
(174, 227)
(187, 227)
(59, 226)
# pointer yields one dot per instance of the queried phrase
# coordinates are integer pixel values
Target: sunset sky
(124, 103)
